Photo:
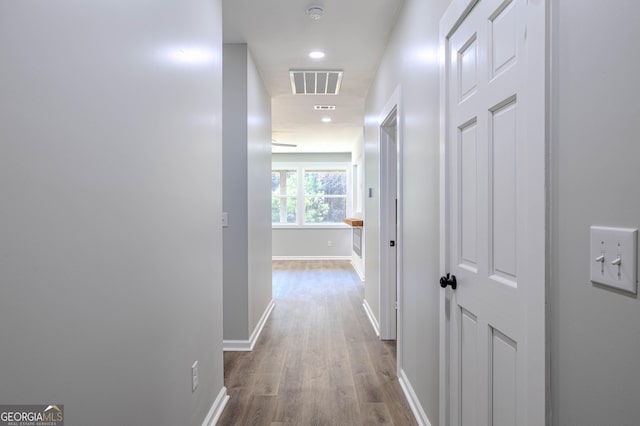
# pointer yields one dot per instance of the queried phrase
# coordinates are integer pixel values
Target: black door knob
(448, 280)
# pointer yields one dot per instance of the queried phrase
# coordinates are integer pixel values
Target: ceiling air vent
(315, 82)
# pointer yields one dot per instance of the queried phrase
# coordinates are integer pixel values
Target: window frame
(301, 168)
(286, 196)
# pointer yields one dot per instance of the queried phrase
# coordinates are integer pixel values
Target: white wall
(312, 242)
(110, 243)
(411, 61)
(595, 379)
(246, 194)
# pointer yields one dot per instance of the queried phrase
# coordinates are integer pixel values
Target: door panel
(489, 197)
(503, 194)
(468, 197)
(502, 33)
(468, 366)
(503, 379)
(468, 71)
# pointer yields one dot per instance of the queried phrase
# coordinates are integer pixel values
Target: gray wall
(246, 194)
(297, 242)
(411, 61)
(110, 183)
(234, 193)
(259, 194)
(594, 173)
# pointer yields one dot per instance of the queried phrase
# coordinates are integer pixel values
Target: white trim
(537, 73)
(237, 346)
(310, 257)
(247, 345)
(412, 399)
(300, 168)
(358, 271)
(400, 231)
(372, 317)
(390, 267)
(216, 409)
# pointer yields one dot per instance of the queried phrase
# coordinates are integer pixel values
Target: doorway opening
(389, 232)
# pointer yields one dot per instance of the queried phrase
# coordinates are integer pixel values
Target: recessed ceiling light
(326, 120)
(316, 54)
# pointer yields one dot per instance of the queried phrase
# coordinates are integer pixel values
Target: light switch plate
(609, 244)
(225, 220)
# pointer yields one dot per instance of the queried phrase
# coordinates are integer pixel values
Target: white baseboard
(372, 318)
(310, 257)
(216, 409)
(247, 345)
(412, 398)
(358, 271)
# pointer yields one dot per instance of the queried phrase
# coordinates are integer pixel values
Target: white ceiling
(280, 34)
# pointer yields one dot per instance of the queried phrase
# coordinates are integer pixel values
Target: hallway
(317, 360)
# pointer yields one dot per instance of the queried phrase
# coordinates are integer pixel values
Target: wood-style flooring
(317, 361)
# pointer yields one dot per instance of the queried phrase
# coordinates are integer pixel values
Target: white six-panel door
(493, 182)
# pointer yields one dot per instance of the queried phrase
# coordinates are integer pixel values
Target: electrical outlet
(194, 376)
(329, 243)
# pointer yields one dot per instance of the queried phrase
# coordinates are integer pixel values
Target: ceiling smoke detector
(315, 12)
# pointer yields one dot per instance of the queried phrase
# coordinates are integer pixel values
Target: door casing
(390, 219)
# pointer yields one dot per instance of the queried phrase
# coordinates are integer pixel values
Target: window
(325, 196)
(309, 195)
(284, 187)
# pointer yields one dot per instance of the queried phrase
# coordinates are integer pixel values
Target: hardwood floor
(318, 361)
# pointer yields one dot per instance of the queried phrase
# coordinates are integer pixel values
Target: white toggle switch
(600, 259)
(615, 251)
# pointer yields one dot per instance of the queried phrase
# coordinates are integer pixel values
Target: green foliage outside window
(324, 196)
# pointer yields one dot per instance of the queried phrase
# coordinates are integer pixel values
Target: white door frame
(390, 275)
(536, 58)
